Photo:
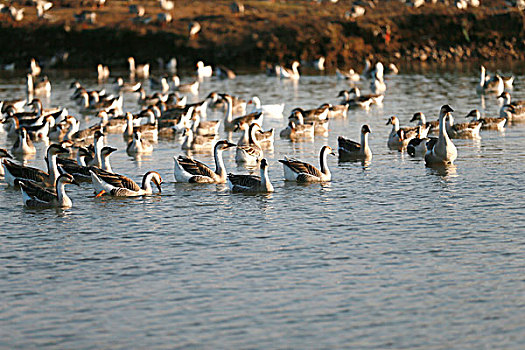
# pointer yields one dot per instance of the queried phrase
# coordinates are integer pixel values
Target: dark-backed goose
(394, 139)
(121, 186)
(251, 153)
(463, 130)
(488, 123)
(190, 170)
(490, 84)
(138, 145)
(351, 150)
(36, 196)
(443, 151)
(296, 170)
(23, 144)
(513, 111)
(251, 183)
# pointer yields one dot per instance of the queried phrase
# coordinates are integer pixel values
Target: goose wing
(194, 167)
(410, 132)
(116, 180)
(252, 151)
(23, 172)
(246, 181)
(301, 167)
(37, 192)
(348, 145)
(467, 125)
(248, 118)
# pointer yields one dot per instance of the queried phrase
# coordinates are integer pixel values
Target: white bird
(296, 170)
(203, 71)
(167, 5)
(488, 84)
(293, 74)
(252, 153)
(441, 151)
(275, 110)
(141, 70)
(102, 72)
(194, 28)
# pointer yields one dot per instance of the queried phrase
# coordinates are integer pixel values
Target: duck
(432, 126)
(36, 196)
(102, 72)
(203, 71)
(192, 87)
(296, 170)
(394, 139)
(117, 185)
(494, 84)
(347, 75)
(252, 153)
(187, 169)
(296, 132)
(141, 70)
(13, 171)
(351, 150)
(4, 154)
(23, 144)
(463, 130)
(513, 111)
(196, 142)
(138, 145)
(497, 123)
(121, 86)
(287, 73)
(441, 151)
(275, 110)
(251, 183)
(41, 88)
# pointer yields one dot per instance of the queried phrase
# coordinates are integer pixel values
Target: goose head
(474, 114)
(295, 64)
(75, 85)
(445, 109)
(343, 93)
(224, 144)
(505, 96)
(264, 164)
(98, 135)
(365, 129)
(327, 150)
(154, 177)
(56, 149)
(66, 178)
(393, 120)
(106, 151)
(417, 116)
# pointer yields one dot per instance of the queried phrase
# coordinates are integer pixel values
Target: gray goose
(251, 183)
(351, 150)
(400, 140)
(296, 170)
(36, 196)
(488, 123)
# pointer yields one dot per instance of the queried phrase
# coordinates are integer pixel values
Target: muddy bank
(393, 33)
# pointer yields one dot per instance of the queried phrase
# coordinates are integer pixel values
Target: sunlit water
(393, 255)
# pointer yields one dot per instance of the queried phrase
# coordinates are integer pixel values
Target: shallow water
(391, 255)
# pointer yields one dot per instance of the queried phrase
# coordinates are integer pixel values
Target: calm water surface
(392, 255)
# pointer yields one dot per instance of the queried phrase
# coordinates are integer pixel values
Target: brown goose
(296, 170)
(394, 139)
(251, 183)
(36, 196)
(488, 123)
(350, 150)
(121, 186)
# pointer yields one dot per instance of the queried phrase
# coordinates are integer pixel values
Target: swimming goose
(463, 130)
(224, 73)
(194, 28)
(80, 169)
(85, 135)
(121, 186)
(102, 72)
(141, 70)
(121, 86)
(318, 120)
(494, 84)
(361, 101)
(4, 154)
(204, 128)
(41, 132)
(196, 142)
(138, 145)
(88, 104)
(13, 171)
(144, 99)
(149, 131)
(251, 183)
(34, 68)
(513, 111)
(347, 75)
(218, 101)
(265, 138)
(23, 144)
(394, 139)
(296, 132)
(192, 88)
(230, 123)
(443, 151)
(252, 153)
(203, 71)
(431, 126)
(115, 125)
(293, 74)
(296, 170)
(351, 150)
(367, 70)
(17, 104)
(190, 170)
(36, 196)
(40, 88)
(488, 123)
(337, 111)
(417, 147)
(272, 110)
(377, 86)
(159, 84)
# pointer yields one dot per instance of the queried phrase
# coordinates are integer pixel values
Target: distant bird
(34, 68)
(237, 8)
(141, 70)
(488, 123)
(193, 29)
(293, 73)
(102, 72)
(347, 75)
(89, 17)
(138, 10)
(41, 88)
(224, 73)
(203, 71)
(319, 63)
(164, 17)
(167, 5)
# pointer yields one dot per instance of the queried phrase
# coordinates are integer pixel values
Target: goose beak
(158, 185)
(231, 144)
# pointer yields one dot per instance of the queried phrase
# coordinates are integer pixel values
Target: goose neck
(252, 138)
(229, 110)
(63, 198)
(265, 180)
(52, 167)
(219, 163)
(323, 161)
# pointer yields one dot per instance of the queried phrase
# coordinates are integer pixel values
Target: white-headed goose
(252, 153)
(351, 150)
(251, 183)
(23, 144)
(296, 170)
(138, 145)
(443, 151)
(400, 141)
(121, 186)
(4, 154)
(140, 71)
(463, 130)
(190, 170)
(36, 196)
(13, 171)
(497, 123)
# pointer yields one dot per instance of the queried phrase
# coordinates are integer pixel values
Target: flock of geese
(167, 113)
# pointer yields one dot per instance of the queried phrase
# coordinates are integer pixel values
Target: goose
(13, 171)
(293, 74)
(167, 5)
(494, 84)
(275, 110)
(252, 153)
(109, 104)
(121, 86)
(36, 196)
(443, 151)
(297, 131)
(361, 101)
(141, 70)
(347, 75)
(34, 68)
(41, 132)
(513, 111)
(41, 88)
(196, 142)
(463, 130)
(4, 154)
(194, 28)
(17, 104)
(138, 145)
(80, 169)
(488, 123)
(319, 63)
(337, 111)
(86, 134)
(190, 170)
(392, 69)
(351, 150)
(26, 117)
(148, 99)
(149, 131)
(23, 144)
(265, 138)
(230, 123)
(422, 120)
(192, 88)
(115, 125)
(394, 139)
(159, 84)
(251, 183)
(417, 147)
(224, 73)
(296, 170)
(204, 128)
(318, 120)
(203, 71)
(121, 186)
(377, 86)
(218, 101)
(102, 72)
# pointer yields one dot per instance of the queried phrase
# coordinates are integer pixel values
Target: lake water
(391, 255)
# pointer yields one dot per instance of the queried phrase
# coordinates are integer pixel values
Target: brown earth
(269, 31)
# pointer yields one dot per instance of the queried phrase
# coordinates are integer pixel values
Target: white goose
(141, 70)
(296, 170)
(203, 71)
(190, 170)
(443, 151)
(351, 150)
(275, 110)
(138, 145)
(121, 186)
(293, 74)
(251, 183)
(250, 154)
(35, 196)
